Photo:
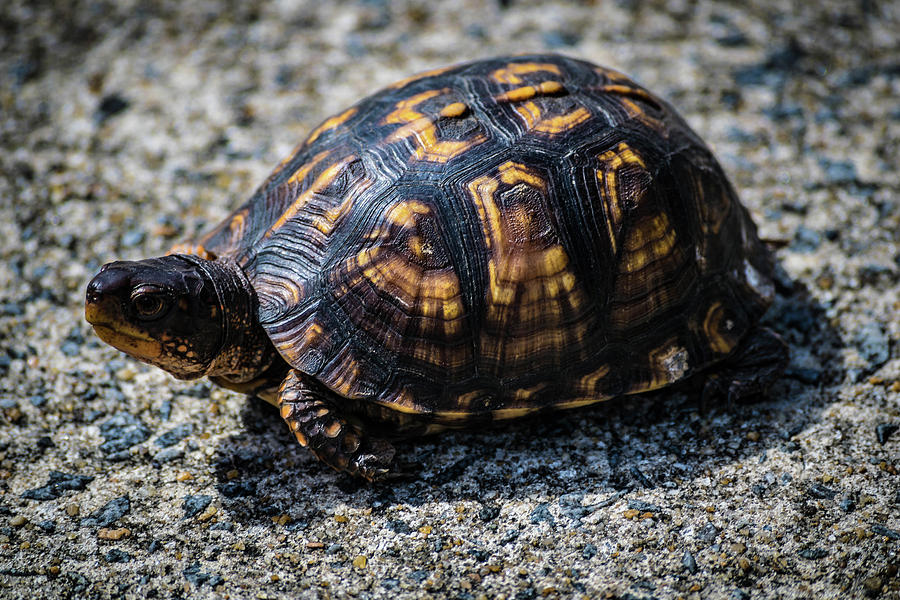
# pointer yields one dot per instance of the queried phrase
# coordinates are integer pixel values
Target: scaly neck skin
(246, 349)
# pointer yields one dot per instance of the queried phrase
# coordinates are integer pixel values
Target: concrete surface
(125, 126)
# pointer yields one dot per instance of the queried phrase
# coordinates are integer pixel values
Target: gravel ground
(126, 126)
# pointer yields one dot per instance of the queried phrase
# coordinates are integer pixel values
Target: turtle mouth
(104, 315)
(134, 344)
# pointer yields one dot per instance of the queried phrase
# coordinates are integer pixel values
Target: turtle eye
(149, 302)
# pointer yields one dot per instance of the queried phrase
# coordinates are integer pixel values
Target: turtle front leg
(313, 413)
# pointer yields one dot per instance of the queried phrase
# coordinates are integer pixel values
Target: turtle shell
(499, 237)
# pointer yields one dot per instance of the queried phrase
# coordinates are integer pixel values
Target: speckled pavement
(126, 126)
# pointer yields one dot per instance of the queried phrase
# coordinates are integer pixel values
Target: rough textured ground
(125, 126)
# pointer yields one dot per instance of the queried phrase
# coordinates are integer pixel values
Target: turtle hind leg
(313, 413)
(749, 371)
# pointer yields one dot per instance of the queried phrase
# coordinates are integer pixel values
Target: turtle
(473, 244)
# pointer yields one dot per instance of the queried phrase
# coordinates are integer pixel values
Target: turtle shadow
(658, 439)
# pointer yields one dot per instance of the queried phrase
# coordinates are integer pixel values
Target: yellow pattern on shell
(330, 123)
(510, 73)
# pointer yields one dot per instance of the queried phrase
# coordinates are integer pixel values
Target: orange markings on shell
(322, 181)
(423, 132)
(330, 123)
(545, 88)
(510, 73)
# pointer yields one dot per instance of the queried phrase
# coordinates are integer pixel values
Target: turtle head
(187, 315)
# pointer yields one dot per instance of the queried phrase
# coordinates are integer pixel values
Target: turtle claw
(374, 461)
(312, 413)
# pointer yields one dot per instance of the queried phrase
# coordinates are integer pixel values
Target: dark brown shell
(499, 237)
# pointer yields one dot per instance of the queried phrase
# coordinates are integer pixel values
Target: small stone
(886, 532)
(117, 556)
(57, 483)
(47, 525)
(821, 492)
(642, 506)
(542, 513)
(334, 549)
(70, 348)
(589, 551)
(109, 513)
(168, 455)
(813, 553)
(360, 562)
(753, 436)
(688, 562)
(237, 489)
(199, 578)
(489, 512)
(873, 344)
(17, 521)
(847, 504)
(173, 436)
(744, 564)
(872, 584)
(110, 106)
(194, 505)
(122, 431)
(883, 431)
(399, 526)
(106, 533)
(708, 533)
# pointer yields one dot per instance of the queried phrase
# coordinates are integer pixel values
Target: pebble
(237, 489)
(194, 505)
(122, 431)
(106, 533)
(109, 513)
(489, 512)
(873, 344)
(688, 562)
(838, 172)
(399, 526)
(168, 455)
(821, 492)
(18, 521)
(200, 578)
(886, 532)
(589, 551)
(642, 506)
(542, 513)
(47, 525)
(117, 556)
(360, 562)
(806, 240)
(813, 553)
(110, 105)
(883, 431)
(58, 483)
(708, 533)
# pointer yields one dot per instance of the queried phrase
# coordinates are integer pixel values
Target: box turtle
(473, 244)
